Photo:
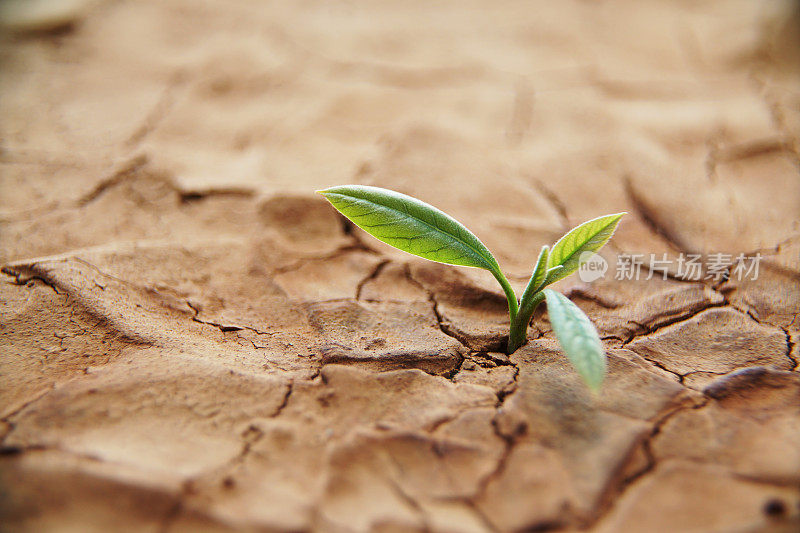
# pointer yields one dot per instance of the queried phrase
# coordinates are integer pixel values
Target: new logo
(591, 267)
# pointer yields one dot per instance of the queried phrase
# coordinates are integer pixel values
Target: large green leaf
(588, 237)
(410, 225)
(578, 338)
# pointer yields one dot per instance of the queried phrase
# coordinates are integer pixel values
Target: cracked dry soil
(193, 341)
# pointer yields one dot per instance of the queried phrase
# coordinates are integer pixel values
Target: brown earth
(194, 341)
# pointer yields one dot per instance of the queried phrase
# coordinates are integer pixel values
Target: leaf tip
(595, 385)
(618, 216)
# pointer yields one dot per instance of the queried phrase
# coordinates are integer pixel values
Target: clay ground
(194, 341)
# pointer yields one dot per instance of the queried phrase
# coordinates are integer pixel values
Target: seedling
(420, 229)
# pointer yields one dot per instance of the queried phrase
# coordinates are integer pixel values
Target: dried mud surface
(193, 341)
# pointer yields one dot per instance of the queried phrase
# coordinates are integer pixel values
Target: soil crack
(658, 326)
(403, 494)
(616, 490)
(20, 278)
(342, 250)
(125, 172)
(223, 327)
(790, 348)
(155, 116)
(553, 199)
(371, 276)
(444, 325)
(650, 218)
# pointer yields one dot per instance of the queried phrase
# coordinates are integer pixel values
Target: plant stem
(513, 305)
(519, 324)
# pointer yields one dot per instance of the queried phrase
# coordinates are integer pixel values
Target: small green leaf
(410, 225)
(531, 298)
(578, 337)
(538, 276)
(588, 237)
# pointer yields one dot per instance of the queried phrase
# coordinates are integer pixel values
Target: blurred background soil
(192, 340)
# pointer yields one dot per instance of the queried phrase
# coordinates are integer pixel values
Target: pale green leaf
(410, 225)
(531, 298)
(578, 337)
(538, 276)
(588, 237)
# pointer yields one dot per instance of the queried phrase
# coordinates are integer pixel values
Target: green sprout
(420, 229)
